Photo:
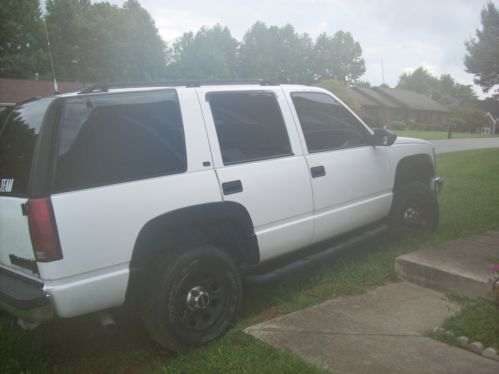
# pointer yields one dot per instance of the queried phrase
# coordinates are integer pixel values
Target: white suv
(164, 195)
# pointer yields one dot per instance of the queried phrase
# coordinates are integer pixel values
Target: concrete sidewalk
(455, 145)
(378, 332)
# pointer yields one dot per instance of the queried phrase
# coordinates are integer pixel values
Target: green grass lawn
(469, 205)
(478, 320)
(435, 135)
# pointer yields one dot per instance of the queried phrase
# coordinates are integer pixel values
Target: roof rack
(105, 87)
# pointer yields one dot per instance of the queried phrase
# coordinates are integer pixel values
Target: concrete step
(461, 267)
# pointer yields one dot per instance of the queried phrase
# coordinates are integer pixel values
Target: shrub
(399, 125)
(468, 118)
(427, 126)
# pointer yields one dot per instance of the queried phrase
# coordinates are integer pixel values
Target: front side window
(249, 126)
(106, 139)
(326, 124)
(18, 137)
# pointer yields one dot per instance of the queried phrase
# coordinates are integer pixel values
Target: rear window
(17, 143)
(107, 139)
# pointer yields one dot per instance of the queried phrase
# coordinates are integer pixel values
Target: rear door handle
(232, 187)
(318, 171)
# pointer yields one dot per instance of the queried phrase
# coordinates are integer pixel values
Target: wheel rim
(200, 299)
(415, 215)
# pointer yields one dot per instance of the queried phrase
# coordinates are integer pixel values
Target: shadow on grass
(77, 345)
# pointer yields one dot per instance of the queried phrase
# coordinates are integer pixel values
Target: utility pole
(382, 73)
(56, 87)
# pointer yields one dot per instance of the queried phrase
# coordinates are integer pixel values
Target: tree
(275, 53)
(103, 42)
(445, 89)
(22, 39)
(211, 53)
(65, 37)
(338, 57)
(340, 89)
(420, 81)
(450, 90)
(482, 59)
(468, 118)
(363, 84)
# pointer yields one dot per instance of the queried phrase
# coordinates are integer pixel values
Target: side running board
(261, 278)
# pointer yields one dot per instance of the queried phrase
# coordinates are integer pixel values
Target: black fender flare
(414, 167)
(193, 223)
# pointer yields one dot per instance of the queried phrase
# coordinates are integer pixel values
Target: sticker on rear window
(6, 185)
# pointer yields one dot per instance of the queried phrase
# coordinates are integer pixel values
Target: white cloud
(172, 23)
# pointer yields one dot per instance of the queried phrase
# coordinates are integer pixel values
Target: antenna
(56, 87)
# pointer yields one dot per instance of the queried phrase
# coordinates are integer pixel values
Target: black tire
(193, 298)
(415, 210)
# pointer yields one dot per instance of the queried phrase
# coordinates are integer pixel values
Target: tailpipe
(107, 321)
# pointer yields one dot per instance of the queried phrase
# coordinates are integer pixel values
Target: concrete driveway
(455, 145)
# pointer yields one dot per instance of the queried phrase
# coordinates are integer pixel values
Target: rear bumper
(24, 298)
(437, 184)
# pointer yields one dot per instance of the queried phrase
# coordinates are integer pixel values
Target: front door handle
(318, 171)
(232, 187)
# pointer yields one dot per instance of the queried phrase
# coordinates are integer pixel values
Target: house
(491, 108)
(14, 90)
(385, 105)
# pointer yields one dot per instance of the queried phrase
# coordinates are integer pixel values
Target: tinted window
(327, 124)
(249, 126)
(108, 139)
(17, 144)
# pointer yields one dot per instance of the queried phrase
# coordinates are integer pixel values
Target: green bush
(418, 126)
(399, 125)
(468, 118)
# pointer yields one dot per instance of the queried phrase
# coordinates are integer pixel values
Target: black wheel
(414, 210)
(193, 298)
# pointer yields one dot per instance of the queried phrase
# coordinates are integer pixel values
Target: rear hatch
(19, 132)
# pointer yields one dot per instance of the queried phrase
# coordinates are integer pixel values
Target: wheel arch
(417, 167)
(225, 224)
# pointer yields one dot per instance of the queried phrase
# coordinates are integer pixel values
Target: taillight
(43, 230)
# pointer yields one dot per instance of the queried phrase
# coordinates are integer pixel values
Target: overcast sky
(404, 34)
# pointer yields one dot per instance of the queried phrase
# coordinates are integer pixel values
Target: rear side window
(17, 144)
(249, 126)
(106, 139)
(326, 124)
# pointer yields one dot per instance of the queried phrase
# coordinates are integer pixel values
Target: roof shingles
(394, 98)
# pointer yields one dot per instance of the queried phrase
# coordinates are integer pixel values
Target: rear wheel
(193, 298)
(414, 210)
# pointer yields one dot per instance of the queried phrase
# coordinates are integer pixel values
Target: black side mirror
(382, 137)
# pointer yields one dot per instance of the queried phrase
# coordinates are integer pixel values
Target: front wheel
(193, 298)
(415, 209)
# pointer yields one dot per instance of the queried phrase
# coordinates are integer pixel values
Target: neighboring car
(163, 196)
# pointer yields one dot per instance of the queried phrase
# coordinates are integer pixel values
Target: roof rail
(104, 87)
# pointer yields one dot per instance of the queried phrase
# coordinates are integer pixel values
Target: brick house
(386, 105)
(14, 90)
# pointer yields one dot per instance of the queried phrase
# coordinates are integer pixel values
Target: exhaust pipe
(107, 321)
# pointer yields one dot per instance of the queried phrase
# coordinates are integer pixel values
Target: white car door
(350, 179)
(260, 164)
